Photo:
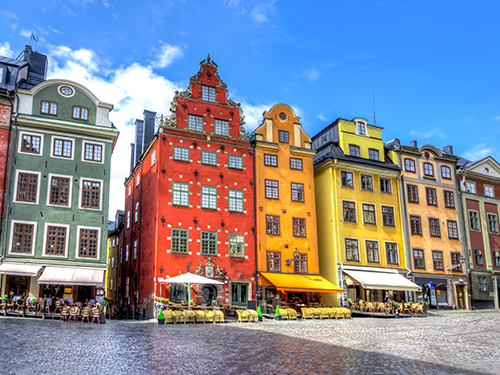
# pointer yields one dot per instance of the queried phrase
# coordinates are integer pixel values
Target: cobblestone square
(443, 344)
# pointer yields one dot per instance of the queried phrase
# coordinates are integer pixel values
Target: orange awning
(301, 283)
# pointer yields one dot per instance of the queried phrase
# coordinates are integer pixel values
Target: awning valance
(381, 279)
(72, 276)
(19, 269)
(301, 283)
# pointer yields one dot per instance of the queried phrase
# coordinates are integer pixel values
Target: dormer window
(80, 113)
(208, 93)
(48, 108)
(361, 128)
(354, 151)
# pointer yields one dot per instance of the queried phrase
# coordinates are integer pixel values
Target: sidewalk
(446, 312)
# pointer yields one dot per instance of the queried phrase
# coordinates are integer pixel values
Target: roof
(465, 163)
(9, 61)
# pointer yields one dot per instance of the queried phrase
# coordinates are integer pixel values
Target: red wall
(494, 238)
(476, 237)
(480, 186)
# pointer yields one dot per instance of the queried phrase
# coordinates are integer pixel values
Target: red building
(190, 201)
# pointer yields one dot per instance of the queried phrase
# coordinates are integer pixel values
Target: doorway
(239, 294)
(84, 293)
(209, 293)
(17, 286)
(460, 297)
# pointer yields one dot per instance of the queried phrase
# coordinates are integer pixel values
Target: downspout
(139, 244)
(255, 225)
(336, 229)
(470, 296)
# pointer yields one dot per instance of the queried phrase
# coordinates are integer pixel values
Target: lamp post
(296, 255)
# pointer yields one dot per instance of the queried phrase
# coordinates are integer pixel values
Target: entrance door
(17, 286)
(239, 294)
(209, 293)
(460, 297)
(84, 293)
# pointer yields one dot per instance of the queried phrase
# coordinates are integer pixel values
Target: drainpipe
(255, 224)
(139, 244)
(470, 296)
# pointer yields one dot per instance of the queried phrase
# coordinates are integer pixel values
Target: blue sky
(434, 66)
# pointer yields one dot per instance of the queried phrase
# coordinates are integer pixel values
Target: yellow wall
(267, 143)
(111, 272)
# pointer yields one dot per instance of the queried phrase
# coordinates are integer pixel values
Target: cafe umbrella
(188, 279)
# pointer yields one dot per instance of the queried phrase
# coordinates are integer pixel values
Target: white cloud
(258, 10)
(427, 133)
(253, 114)
(55, 31)
(131, 89)
(25, 33)
(322, 118)
(5, 50)
(10, 15)
(168, 54)
(311, 74)
(496, 118)
(478, 152)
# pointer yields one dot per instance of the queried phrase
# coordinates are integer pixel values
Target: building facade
(480, 197)
(114, 230)
(189, 201)
(360, 231)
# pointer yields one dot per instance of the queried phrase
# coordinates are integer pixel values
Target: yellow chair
(332, 314)
(178, 316)
(199, 316)
(169, 316)
(323, 313)
(316, 313)
(218, 316)
(242, 316)
(284, 313)
(292, 314)
(252, 315)
(307, 313)
(189, 316)
(347, 313)
(339, 312)
(209, 316)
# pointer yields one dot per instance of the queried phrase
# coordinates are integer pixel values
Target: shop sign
(99, 292)
(68, 290)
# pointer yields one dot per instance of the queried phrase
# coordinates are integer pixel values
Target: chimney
(448, 149)
(148, 131)
(132, 157)
(414, 144)
(37, 66)
(139, 135)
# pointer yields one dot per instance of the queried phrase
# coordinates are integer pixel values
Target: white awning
(72, 276)
(19, 269)
(381, 279)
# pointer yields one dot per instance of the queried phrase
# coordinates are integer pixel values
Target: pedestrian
(387, 299)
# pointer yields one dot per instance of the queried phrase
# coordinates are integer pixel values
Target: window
(221, 127)
(208, 93)
(111, 284)
(351, 250)
(49, 108)
(113, 262)
(349, 209)
(354, 151)
(437, 260)
(296, 163)
(80, 113)
(372, 252)
(135, 250)
(369, 213)
(297, 192)
(272, 224)
(274, 261)
(88, 243)
(449, 199)
(237, 245)
(126, 253)
(471, 187)
(27, 187)
(428, 170)
(366, 182)
(488, 191)
(113, 243)
(93, 152)
(412, 193)
(180, 241)
(283, 136)
(373, 154)
(129, 189)
(391, 250)
(180, 194)
(271, 160)
(235, 200)
(235, 162)
(388, 216)
(136, 214)
(418, 259)
(434, 227)
(300, 264)
(23, 238)
(361, 128)
(59, 191)
(31, 144)
(91, 194)
(181, 153)
(445, 172)
(63, 148)
(410, 165)
(272, 189)
(493, 223)
(416, 225)
(56, 240)
(482, 285)
(452, 230)
(346, 179)
(121, 255)
(209, 158)
(496, 259)
(209, 197)
(195, 123)
(478, 257)
(474, 220)
(299, 227)
(128, 219)
(455, 262)
(431, 196)
(208, 243)
(385, 185)
(153, 158)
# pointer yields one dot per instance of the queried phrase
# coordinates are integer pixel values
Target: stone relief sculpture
(199, 270)
(220, 273)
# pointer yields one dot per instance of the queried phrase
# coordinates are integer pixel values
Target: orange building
(287, 244)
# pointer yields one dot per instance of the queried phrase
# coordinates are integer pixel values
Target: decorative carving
(195, 78)
(230, 102)
(209, 269)
(220, 273)
(199, 270)
(222, 84)
(185, 94)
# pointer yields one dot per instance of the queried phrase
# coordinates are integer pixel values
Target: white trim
(103, 154)
(64, 95)
(19, 146)
(80, 195)
(374, 212)
(77, 250)
(65, 134)
(49, 185)
(356, 216)
(382, 215)
(65, 139)
(37, 186)
(12, 223)
(65, 244)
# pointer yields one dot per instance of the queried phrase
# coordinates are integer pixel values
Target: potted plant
(259, 313)
(161, 318)
(396, 308)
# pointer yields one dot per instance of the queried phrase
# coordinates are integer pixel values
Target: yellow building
(433, 220)
(114, 231)
(360, 231)
(287, 246)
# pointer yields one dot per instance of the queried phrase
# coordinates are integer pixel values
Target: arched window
(428, 170)
(409, 165)
(361, 127)
(446, 172)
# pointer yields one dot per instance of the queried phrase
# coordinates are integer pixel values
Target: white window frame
(81, 194)
(13, 222)
(20, 143)
(77, 249)
(153, 158)
(45, 232)
(128, 219)
(18, 171)
(64, 139)
(84, 143)
(470, 184)
(70, 195)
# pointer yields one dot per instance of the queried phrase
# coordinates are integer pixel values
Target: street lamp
(296, 255)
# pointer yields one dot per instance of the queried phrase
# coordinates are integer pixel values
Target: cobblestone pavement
(446, 344)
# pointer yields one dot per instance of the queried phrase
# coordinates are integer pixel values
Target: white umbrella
(188, 279)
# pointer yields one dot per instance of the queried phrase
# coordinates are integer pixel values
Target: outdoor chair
(242, 316)
(96, 314)
(209, 316)
(316, 313)
(407, 308)
(218, 316)
(86, 314)
(307, 313)
(64, 313)
(57, 306)
(169, 317)
(252, 315)
(74, 313)
(339, 312)
(189, 316)
(283, 313)
(323, 313)
(346, 312)
(199, 316)
(292, 314)
(332, 314)
(178, 316)
(419, 309)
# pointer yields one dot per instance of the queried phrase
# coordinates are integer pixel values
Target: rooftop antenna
(373, 110)
(35, 39)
